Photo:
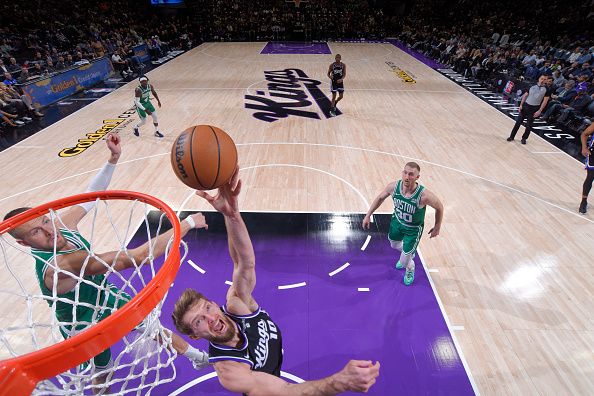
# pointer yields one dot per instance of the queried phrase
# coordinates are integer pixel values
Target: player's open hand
(358, 375)
(226, 200)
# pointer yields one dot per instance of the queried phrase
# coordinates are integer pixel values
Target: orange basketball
(204, 157)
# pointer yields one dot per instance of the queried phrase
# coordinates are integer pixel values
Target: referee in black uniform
(533, 103)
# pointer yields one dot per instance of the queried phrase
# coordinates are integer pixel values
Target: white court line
(432, 270)
(450, 328)
(204, 88)
(76, 175)
(430, 163)
(547, 152)
(185, 201)
(314, 169)
(196, 266)
(294, 285)
(193, 383)
(191, 194)
(334, 146)
(210, 210)
(457, 328)
(247, 89)
(363, 289)
(229, 283)
(337, 270)
(208, 376)
(366, 243)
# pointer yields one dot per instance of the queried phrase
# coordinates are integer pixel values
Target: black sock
(584, 199)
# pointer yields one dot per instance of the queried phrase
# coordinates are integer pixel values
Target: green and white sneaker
(399, 265)
(409, 277)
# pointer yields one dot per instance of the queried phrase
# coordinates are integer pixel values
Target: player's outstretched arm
(240, 244)
(356, 376)
(386, 192)
(100, 182)
(80, 264)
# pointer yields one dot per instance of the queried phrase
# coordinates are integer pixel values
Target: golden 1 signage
(112, 124)
(401, 74)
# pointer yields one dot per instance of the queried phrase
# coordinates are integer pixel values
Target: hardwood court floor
(514, 273)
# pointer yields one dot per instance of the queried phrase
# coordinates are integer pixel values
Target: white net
(44, 313)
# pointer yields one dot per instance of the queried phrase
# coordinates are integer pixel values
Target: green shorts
(115, 300)
(148, 106)
(410, 236)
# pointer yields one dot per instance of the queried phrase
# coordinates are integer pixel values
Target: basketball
(204, 157)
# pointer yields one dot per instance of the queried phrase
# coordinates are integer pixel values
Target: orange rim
(19, 375)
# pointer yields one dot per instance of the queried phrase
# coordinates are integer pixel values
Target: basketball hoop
(20, 374)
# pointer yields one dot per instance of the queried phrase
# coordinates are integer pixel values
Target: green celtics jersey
(406, 209)
(145, 93)
(88, 294)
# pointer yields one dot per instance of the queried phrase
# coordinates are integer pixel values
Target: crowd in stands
(44, 38)
(238, 20)
(507, 40)
(482, 40)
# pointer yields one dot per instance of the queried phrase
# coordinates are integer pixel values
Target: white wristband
(191, 221)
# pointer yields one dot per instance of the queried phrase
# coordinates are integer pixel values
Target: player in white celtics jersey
(68, 250)
(142, 101)
(406, 228)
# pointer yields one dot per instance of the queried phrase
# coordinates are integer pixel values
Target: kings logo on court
(290, 92)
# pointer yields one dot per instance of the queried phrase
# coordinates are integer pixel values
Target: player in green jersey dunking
(406, 228)
(142, 101)
(59, 245)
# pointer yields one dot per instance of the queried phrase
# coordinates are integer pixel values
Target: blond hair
(413, 165)
(187, 300)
